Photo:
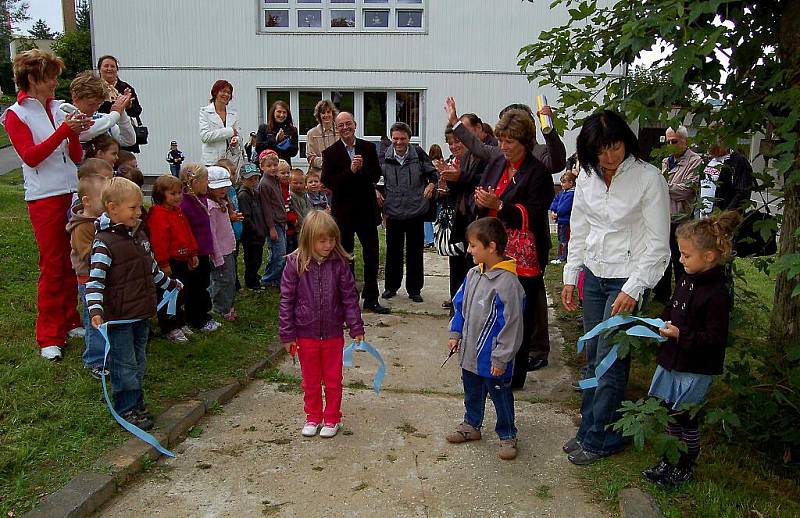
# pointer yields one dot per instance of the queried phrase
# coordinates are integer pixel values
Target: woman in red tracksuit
(47, 141)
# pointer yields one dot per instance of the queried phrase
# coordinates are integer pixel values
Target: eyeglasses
(345, 124)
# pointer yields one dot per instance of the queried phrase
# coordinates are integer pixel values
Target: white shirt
(620, 231)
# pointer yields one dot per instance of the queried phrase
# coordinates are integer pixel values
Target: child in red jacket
(174, 248)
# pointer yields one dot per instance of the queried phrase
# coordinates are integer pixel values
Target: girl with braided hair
(696, 326)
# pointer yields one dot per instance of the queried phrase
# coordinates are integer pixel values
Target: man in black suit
(350, 169)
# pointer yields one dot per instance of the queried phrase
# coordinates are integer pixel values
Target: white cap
(218, 177)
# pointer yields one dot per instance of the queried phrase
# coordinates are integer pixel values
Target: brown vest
(130, 291)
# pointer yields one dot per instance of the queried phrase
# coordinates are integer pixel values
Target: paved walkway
(391, 459)
(8, 160)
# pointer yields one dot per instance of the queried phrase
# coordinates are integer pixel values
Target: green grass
(4, 137)
(730, 479)
(53, 421)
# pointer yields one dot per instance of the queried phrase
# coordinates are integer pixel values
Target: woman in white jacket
(219, 127)
(620, 238)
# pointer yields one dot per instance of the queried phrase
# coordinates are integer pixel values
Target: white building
(384, 60)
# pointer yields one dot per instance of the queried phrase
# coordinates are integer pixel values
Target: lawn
(53, 421)
(730, 479)
(4, 137)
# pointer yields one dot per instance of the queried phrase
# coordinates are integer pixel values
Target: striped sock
(691, 436)
(675, 430)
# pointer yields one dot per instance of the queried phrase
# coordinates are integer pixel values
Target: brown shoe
(463, 433)
(508, 449)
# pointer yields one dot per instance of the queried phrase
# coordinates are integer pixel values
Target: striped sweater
(123, 275)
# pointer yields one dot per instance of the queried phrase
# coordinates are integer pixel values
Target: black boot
(657, 472)
(681, 473)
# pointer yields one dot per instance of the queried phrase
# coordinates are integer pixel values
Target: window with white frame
(374, 110)
(342, 15)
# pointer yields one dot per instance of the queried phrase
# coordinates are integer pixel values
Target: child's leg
(253, 255)
(690, 435)
(474, 398)
(566, 240)
(277, 257)
(141, 331)
(223, 286)
(236, 267)
(124, 368)
(503, 399)
(94, 344)
(332, 377)
(310, 353)
(198, 301)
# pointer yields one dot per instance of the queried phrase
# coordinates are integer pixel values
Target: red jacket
(170, 235)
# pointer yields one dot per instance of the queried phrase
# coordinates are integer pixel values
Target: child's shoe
(230, 316)
(187, 331)
(52, 353)
(138, 420)
(675, 476)
(144, 412)
(310, 429)
(508, 449)
(77, 332)
(211, 326)
(657, 472)
(98, 372)
(464, 433)
(329, 430)
(177, 336)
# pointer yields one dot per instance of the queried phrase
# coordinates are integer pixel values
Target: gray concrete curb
(635, 503)
(90, 489)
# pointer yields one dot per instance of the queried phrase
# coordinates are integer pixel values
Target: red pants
(58, 286)
(321, 362)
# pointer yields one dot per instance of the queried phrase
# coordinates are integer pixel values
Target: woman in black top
(108, 67)
(282, 134)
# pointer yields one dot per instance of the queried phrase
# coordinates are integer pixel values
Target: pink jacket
(221, 232)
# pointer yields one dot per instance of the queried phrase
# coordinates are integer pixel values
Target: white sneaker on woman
(329, 430)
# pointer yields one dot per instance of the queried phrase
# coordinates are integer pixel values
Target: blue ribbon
(347, 361)
(170, 299)
(613, 354)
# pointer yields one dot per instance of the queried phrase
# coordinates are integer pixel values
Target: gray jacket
(404, 184)
(487, 318)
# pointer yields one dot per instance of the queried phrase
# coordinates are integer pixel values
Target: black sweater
(700, 308)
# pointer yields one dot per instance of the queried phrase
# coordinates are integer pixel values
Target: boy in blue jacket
(560, 211)
(487, 330)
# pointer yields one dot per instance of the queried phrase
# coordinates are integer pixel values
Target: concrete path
(8, 160)
(391, 458)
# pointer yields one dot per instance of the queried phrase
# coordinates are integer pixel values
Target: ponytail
(714, 233)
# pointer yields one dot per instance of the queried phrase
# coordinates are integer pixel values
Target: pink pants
(321, 362)
(58, 286)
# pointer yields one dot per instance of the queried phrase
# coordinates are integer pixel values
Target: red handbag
(522, 247)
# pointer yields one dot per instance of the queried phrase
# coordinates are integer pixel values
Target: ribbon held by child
(347, 361)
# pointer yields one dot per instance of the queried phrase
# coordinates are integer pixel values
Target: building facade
(383, 60)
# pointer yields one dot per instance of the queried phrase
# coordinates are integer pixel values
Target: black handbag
(141, 132)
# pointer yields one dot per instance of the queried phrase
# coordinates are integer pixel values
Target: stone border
(635, 503)
(90, 489)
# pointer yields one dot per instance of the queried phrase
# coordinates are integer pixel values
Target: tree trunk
(786, 312)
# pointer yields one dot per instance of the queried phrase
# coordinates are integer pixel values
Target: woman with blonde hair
(47, 141)
(321, 136)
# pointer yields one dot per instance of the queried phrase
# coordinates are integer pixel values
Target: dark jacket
(404, 184)
(124, 275)
(195, 209)
(317, 303)
(285, 150)
(552, 153)
(253, 231)
(134, 110)
(353, 199)
(273, 206)
(735, 183)
(461, 193)
(532, 187)
(700, 308)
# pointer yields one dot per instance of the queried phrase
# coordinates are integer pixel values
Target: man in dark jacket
(735, 181)
(350, 169)
(409, 182)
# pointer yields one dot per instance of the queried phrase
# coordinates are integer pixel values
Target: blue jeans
(277, 257)
(475, 390)
(94, 347)
(175, 169)
(599, 406)
(563, 241)
(127, 363)
(428, 233)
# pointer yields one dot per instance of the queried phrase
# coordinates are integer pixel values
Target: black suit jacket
(353, 201)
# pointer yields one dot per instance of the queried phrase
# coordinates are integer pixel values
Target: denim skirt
(678, 388)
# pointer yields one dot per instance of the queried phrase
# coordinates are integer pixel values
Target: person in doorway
(350, 168)
(322, 136)
(282, 134)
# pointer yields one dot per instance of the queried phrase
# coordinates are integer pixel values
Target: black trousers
(253, 256)
(663, 290)
(368, 237)
(167, 323)
(408, 234)
(535, 335)
(198, 300)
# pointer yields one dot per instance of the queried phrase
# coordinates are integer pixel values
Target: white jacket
(56, 174)
(118, 125)
(621, 231)
(215, 135)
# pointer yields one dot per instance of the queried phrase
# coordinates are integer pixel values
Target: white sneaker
(329, 431)
(211, 325)
(556, 261)
(310, 429)
(78, 332)
(176, 335)
(52, 353)
(187, 331)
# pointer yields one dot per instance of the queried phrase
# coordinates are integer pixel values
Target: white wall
(172, 52)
